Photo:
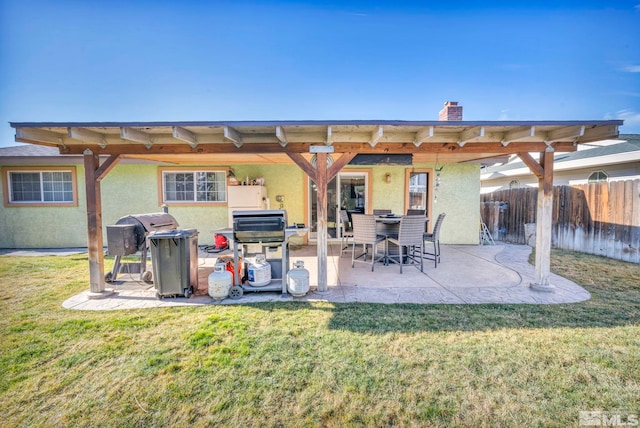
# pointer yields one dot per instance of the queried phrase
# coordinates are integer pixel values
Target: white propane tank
(220, 281)
(298, 279)
(259, 272)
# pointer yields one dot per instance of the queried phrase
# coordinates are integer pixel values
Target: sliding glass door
(347, 191)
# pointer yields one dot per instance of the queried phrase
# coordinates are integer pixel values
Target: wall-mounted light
(387, 177)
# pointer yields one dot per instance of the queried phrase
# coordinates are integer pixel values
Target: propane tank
(298, 279)
(259, 272)
(219, 281)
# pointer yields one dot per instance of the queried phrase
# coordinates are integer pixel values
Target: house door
(347, 191)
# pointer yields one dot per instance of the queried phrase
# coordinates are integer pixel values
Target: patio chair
(410, 238)
(433, 237)
(347, 231)
(364, 233)
(382, 212)
(416, 212)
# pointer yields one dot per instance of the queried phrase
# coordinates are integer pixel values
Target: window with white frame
(598, 177)
(41, 187)
(194, 186)
(514, 184)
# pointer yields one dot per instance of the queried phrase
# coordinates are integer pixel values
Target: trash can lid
(173, 234)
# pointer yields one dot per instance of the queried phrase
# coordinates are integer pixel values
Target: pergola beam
(83, 134)
(376, 135)
(281, 135)
(267, 148)
(36, 136)
(518, 134)
(232, 135)
(329, 140)
(470, 134)
(600, 133)
(422, 135)
(182, 134)
(107, 166)
(564, 133)
(136, 136)
(534, 166)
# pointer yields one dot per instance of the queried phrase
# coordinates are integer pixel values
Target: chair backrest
(411, 229)
(381, 212)
(344, 219)
(436, 227)
(364, 228)
(416, 212)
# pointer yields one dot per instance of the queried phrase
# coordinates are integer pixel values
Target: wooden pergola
(280, 142)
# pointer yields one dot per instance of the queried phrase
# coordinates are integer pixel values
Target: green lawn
(298, 364)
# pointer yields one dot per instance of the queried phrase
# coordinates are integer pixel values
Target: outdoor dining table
(389, 226)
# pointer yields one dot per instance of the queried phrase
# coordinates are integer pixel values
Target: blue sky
(278, 60)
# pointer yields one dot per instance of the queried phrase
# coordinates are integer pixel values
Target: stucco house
(606, 160)
(56, 219)
(104, 170)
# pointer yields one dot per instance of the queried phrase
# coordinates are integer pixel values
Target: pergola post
(92, 176)
(321, 176)
(321, 184)
(544, 220)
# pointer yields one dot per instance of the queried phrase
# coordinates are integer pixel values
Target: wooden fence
(599, 218)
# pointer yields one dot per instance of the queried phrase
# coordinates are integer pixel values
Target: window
(194, 186)
(514, 184)
(419, 185)
(598, 177)
(418, 190)
(56, 186)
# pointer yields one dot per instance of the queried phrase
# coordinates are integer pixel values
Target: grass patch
(316, 364)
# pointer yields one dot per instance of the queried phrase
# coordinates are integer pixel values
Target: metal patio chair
(364, 233)
(409, 241)
(434, 238)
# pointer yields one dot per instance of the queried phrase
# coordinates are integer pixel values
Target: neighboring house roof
(31, 154)
(27, 150)
(625, 151)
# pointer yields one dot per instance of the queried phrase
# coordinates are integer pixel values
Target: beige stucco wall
(459, 197)
(133, 189)
(45, 227)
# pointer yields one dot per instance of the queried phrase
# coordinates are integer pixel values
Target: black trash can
(174, 257)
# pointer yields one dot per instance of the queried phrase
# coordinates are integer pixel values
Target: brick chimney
(451, 111)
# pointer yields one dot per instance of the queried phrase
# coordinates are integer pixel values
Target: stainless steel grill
(261, 232)
(259, 226)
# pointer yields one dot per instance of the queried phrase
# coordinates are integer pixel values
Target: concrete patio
(467, 275)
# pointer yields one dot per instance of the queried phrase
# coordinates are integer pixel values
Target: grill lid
(259, 225)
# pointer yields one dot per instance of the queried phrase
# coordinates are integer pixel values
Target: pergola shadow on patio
(467, 275)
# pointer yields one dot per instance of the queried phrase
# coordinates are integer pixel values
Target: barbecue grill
(259, 226)
(261, 232)
(129, 235)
